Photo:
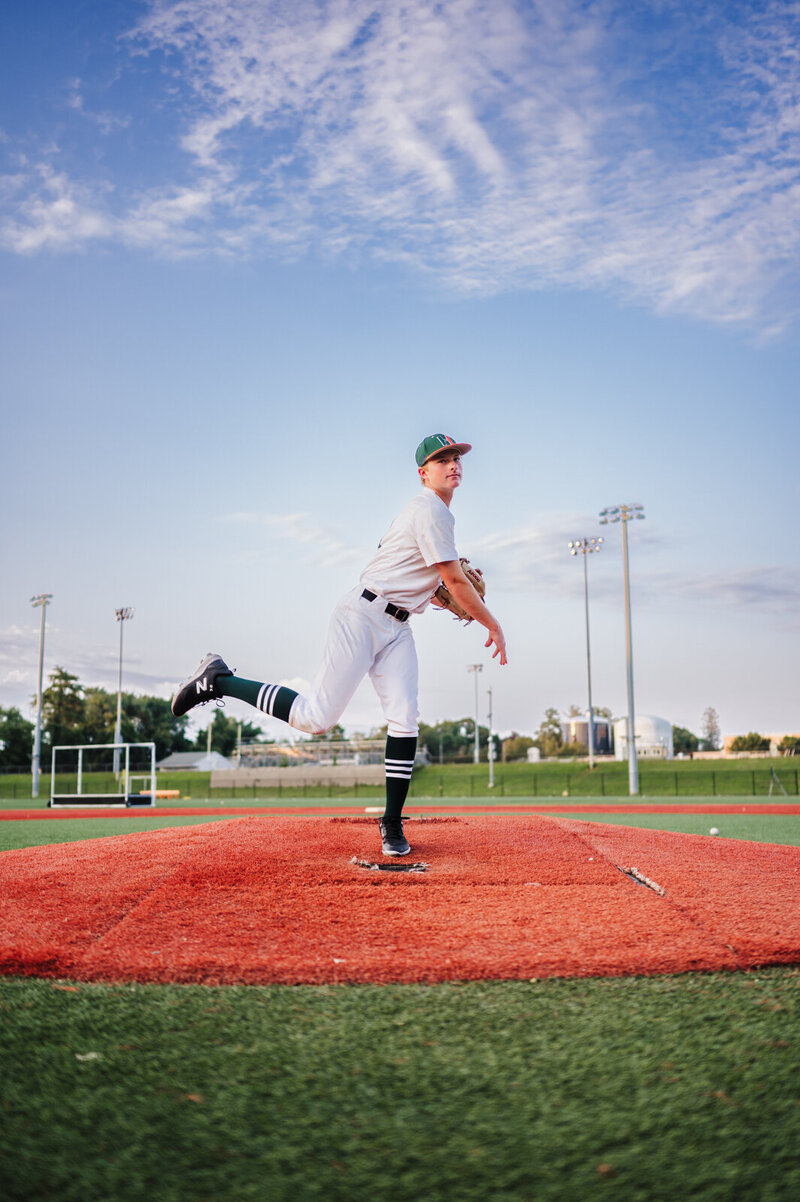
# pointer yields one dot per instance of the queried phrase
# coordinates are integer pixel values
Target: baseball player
(370, 633)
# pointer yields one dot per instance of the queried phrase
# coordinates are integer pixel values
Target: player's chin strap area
(394, 611)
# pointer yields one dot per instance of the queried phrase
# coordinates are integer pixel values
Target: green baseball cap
(439, 444)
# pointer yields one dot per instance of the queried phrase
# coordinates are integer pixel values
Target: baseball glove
(444, 600)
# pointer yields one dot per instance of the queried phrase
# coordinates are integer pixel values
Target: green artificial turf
(767, 828)
(37, 831)
(668, 780)
(626, 1089)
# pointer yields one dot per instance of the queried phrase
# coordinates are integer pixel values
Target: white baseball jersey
(422, 535)
(363, 639)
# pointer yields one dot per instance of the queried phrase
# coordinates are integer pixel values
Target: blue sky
(253, 252)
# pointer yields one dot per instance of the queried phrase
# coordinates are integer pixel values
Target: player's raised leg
(349, 652)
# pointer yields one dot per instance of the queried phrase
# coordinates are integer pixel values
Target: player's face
(443, 473)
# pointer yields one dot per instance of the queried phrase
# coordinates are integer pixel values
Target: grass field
(673, 780)
(559, 1090)
(769, 828)
(636, 1089)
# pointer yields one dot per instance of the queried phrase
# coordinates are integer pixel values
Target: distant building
(576, 730)
(774, 741)
(323, 752)
(653, 738)
(196, 761)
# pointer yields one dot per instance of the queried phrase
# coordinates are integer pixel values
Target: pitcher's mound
(267, 900)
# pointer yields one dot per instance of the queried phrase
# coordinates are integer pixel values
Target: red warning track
(260, 900)
(510, 808)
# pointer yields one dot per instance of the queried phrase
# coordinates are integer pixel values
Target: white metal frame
(58, 799)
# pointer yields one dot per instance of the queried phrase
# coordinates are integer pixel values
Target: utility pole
(625, 514)
(585, 547)
(122, 616)
(475, 669)
(40, 601)
(491, 740)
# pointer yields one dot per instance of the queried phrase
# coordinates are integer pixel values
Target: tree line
(73, 713)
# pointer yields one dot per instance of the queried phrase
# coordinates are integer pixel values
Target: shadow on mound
(269, 900)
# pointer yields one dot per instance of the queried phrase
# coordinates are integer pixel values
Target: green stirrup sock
(273, 699)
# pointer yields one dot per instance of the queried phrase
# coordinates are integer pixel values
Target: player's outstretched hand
(497, 638)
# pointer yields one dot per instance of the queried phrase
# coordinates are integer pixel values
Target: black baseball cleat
(201, 685)
(394, 841)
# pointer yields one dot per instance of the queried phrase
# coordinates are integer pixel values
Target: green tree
(63, 709)
(144, 719)
(515, 747)
(789, 745)
(750, 742)
(454, 740)
(16, 739)
(712, 738)
(100, 716)
(683, 741)
(225, 734)
(549, 738)
(147, 719)
(568, 750)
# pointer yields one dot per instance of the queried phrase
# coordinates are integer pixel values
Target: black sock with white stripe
(400, 755)
(273, 699)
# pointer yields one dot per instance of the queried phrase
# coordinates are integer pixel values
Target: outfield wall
(296, 777)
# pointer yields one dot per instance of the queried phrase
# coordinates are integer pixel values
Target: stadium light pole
(475, 669)
(122, 615)
(585, 547)
(625, 514)
(40, 601)
(491, 739)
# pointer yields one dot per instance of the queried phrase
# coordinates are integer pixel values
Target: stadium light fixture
(625, 514)
(122, 615)
(40, 601)
(475, 669)
(585, 547)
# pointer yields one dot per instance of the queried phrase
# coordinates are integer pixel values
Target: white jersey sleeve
(403, 568)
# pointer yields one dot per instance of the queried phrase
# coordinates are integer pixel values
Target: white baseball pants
(362, 639)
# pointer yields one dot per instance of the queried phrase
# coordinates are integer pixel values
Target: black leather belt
(394, 611)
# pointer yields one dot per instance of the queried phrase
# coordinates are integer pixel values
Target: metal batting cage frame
(123, 796)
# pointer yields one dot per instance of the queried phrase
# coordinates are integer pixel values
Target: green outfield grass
(641, 1089)
(71, 830)
(557, 1090)
(767, 828)
(675, 780)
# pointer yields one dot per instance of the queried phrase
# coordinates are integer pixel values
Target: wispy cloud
(492, 145)
(535, 559)
(107, 122)
(94, 667)
(324, 547)
(769, 589)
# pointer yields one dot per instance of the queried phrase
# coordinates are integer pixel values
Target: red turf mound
(264, 900)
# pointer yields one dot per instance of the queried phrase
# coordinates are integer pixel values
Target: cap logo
(435, 443)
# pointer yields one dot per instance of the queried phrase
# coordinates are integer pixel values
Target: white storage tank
(576, 730)
(653, 738)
